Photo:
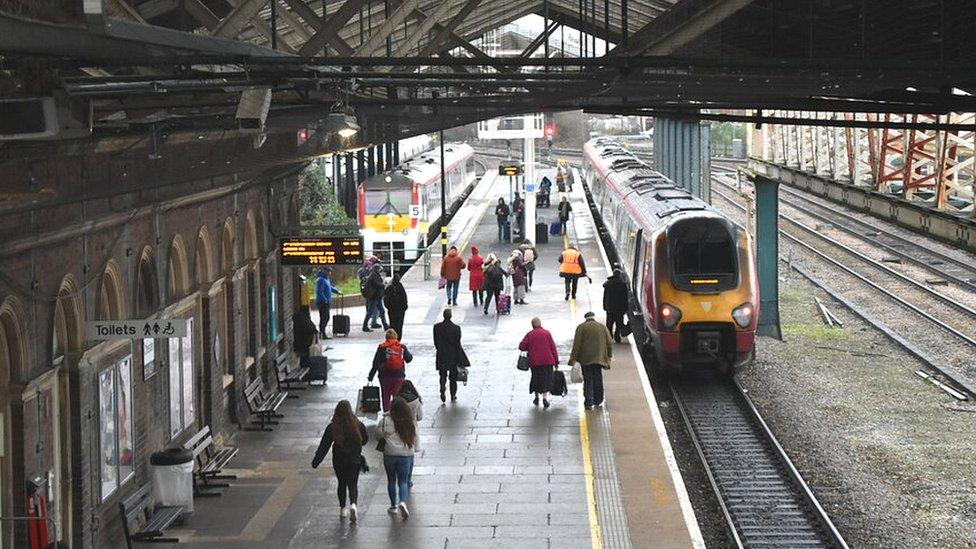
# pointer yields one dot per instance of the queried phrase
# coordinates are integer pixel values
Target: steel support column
(395, 146)
(371, 161)
(767, 255)
(380, 161)
(682, 152)
(349, 189)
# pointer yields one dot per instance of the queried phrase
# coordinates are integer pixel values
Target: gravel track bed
(937, 342)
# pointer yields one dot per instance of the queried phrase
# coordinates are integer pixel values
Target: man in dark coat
(395, 299)
(615, 302)
(303, 333)
(373, 293)
(450, 354)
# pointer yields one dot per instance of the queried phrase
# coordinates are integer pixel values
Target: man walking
(571, 269)
(450, 354)
(502, 212)
(615, 302)
(323, 298)
(593, 349)
(373, 294)
(451, 267)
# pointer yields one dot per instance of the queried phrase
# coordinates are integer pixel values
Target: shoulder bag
(523, 362)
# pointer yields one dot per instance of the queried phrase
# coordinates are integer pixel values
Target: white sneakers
(404, 513)
(353, 513)
(344, 512)
(392, 510)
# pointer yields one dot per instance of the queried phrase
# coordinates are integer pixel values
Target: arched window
(67, 320)
(227, 259)
(111, 296)
(12, 345)
(204, 266)
(251, 250)
(177, 272)
(147, 284)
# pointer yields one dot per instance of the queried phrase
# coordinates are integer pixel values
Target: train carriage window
(703, 255)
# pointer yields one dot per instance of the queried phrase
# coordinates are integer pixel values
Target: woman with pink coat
(476, 276)
(543, 358)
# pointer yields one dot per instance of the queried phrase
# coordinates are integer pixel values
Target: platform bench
(138, 508)
(262, 406)
(209, 462)
(288, 378)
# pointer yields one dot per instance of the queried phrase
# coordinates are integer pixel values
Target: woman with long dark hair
(399, 430)
(346, 435)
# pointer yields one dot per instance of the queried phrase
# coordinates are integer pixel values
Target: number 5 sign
(415, 210)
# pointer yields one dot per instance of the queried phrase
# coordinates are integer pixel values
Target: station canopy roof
(413, 66)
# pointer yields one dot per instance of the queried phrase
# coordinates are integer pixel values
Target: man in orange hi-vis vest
(571, 268)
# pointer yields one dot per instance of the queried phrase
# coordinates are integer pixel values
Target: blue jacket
(324, 289)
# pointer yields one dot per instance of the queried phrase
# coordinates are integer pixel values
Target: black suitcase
(371, 399)
(340, 322)
(559, 384)
(541, 233)
(318, 368)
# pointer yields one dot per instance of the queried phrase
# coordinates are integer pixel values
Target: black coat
(615, 295)
(395, 297)
(447, 341)
(494, 278)
(374, 286)
(303, 332)
(344, 456)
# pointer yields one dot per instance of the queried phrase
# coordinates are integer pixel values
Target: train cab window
(383, 202)
(703, 255)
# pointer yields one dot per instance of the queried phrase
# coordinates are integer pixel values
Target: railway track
(763, 497)
(944, 339)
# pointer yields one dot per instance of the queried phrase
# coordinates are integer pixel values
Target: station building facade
(81, 418)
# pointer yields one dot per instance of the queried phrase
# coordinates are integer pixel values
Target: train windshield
(703, 255)
(383, 202)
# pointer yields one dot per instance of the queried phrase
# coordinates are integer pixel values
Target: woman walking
(390, 363)
(476, 276)
(399, 431)
(529, 256)
(395, 299)
(543, 358)
(346, 436)
(565, 208)
(516, 268)
(494, 280)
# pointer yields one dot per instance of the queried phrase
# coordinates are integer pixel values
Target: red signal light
(302, 136)
(550, 130)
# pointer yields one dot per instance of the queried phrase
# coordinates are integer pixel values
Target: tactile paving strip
(614, 531)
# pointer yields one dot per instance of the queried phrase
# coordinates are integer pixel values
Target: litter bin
(172, 473)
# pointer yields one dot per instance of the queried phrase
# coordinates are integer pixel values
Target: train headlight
(668, 316)
(742, 315)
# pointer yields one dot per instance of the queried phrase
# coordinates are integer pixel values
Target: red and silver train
(691, 269)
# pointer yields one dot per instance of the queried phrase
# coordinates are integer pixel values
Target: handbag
(462, 374)
(315, 349)
(363, 466)
(576, 374)
(523, 362)
(441, 283)
(381, 445)
(626, 330)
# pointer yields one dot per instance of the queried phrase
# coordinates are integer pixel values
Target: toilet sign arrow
(158, 328)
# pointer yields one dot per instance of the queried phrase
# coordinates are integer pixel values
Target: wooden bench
(138, 507)
(262, 405)
(288, 378)
(209, 462)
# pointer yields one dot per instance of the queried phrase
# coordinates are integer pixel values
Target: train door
(637, 276)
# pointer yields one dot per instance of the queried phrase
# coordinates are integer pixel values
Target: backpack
(394, 357)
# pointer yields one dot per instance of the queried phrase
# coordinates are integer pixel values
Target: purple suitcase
(504, 304)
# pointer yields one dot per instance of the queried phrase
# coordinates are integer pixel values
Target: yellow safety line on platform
(596, 538)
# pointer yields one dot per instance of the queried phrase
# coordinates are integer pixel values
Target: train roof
(422, 169)
(652, 198)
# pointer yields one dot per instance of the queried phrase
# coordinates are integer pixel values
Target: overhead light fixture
(342, 120)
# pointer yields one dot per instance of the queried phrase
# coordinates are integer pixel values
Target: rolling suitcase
(371, 399)
(318, 368)
(555, 228)
(504, 304)
(541, 233)
(340, 322)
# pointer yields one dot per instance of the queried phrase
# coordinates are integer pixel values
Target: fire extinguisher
(37, 533)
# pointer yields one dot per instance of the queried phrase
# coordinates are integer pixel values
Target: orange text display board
(312, 251)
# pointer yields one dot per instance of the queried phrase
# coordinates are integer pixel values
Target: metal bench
(209, 462)
(288, 378)
(138, 507)
(262, 405)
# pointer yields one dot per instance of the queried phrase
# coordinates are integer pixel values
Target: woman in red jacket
(543, 358)
(476, 276)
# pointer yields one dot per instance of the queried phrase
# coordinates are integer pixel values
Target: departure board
(330, 250)
(510, 169)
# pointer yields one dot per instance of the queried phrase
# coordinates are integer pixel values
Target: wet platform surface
(495, 470)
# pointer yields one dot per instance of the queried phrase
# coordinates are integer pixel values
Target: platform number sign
(415, 211)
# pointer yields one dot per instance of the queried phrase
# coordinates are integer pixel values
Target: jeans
(452, 290)
(503, 229)
(592, 384)
(374, 311)
(562, 226)
(323, 308)
(615, 323)
(398, 470)
(348, 477)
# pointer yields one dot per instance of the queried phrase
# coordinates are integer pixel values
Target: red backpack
(394, 356)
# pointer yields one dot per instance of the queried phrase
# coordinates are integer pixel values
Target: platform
(495, 471)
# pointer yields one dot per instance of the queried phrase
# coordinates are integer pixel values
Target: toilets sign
(98, 330)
